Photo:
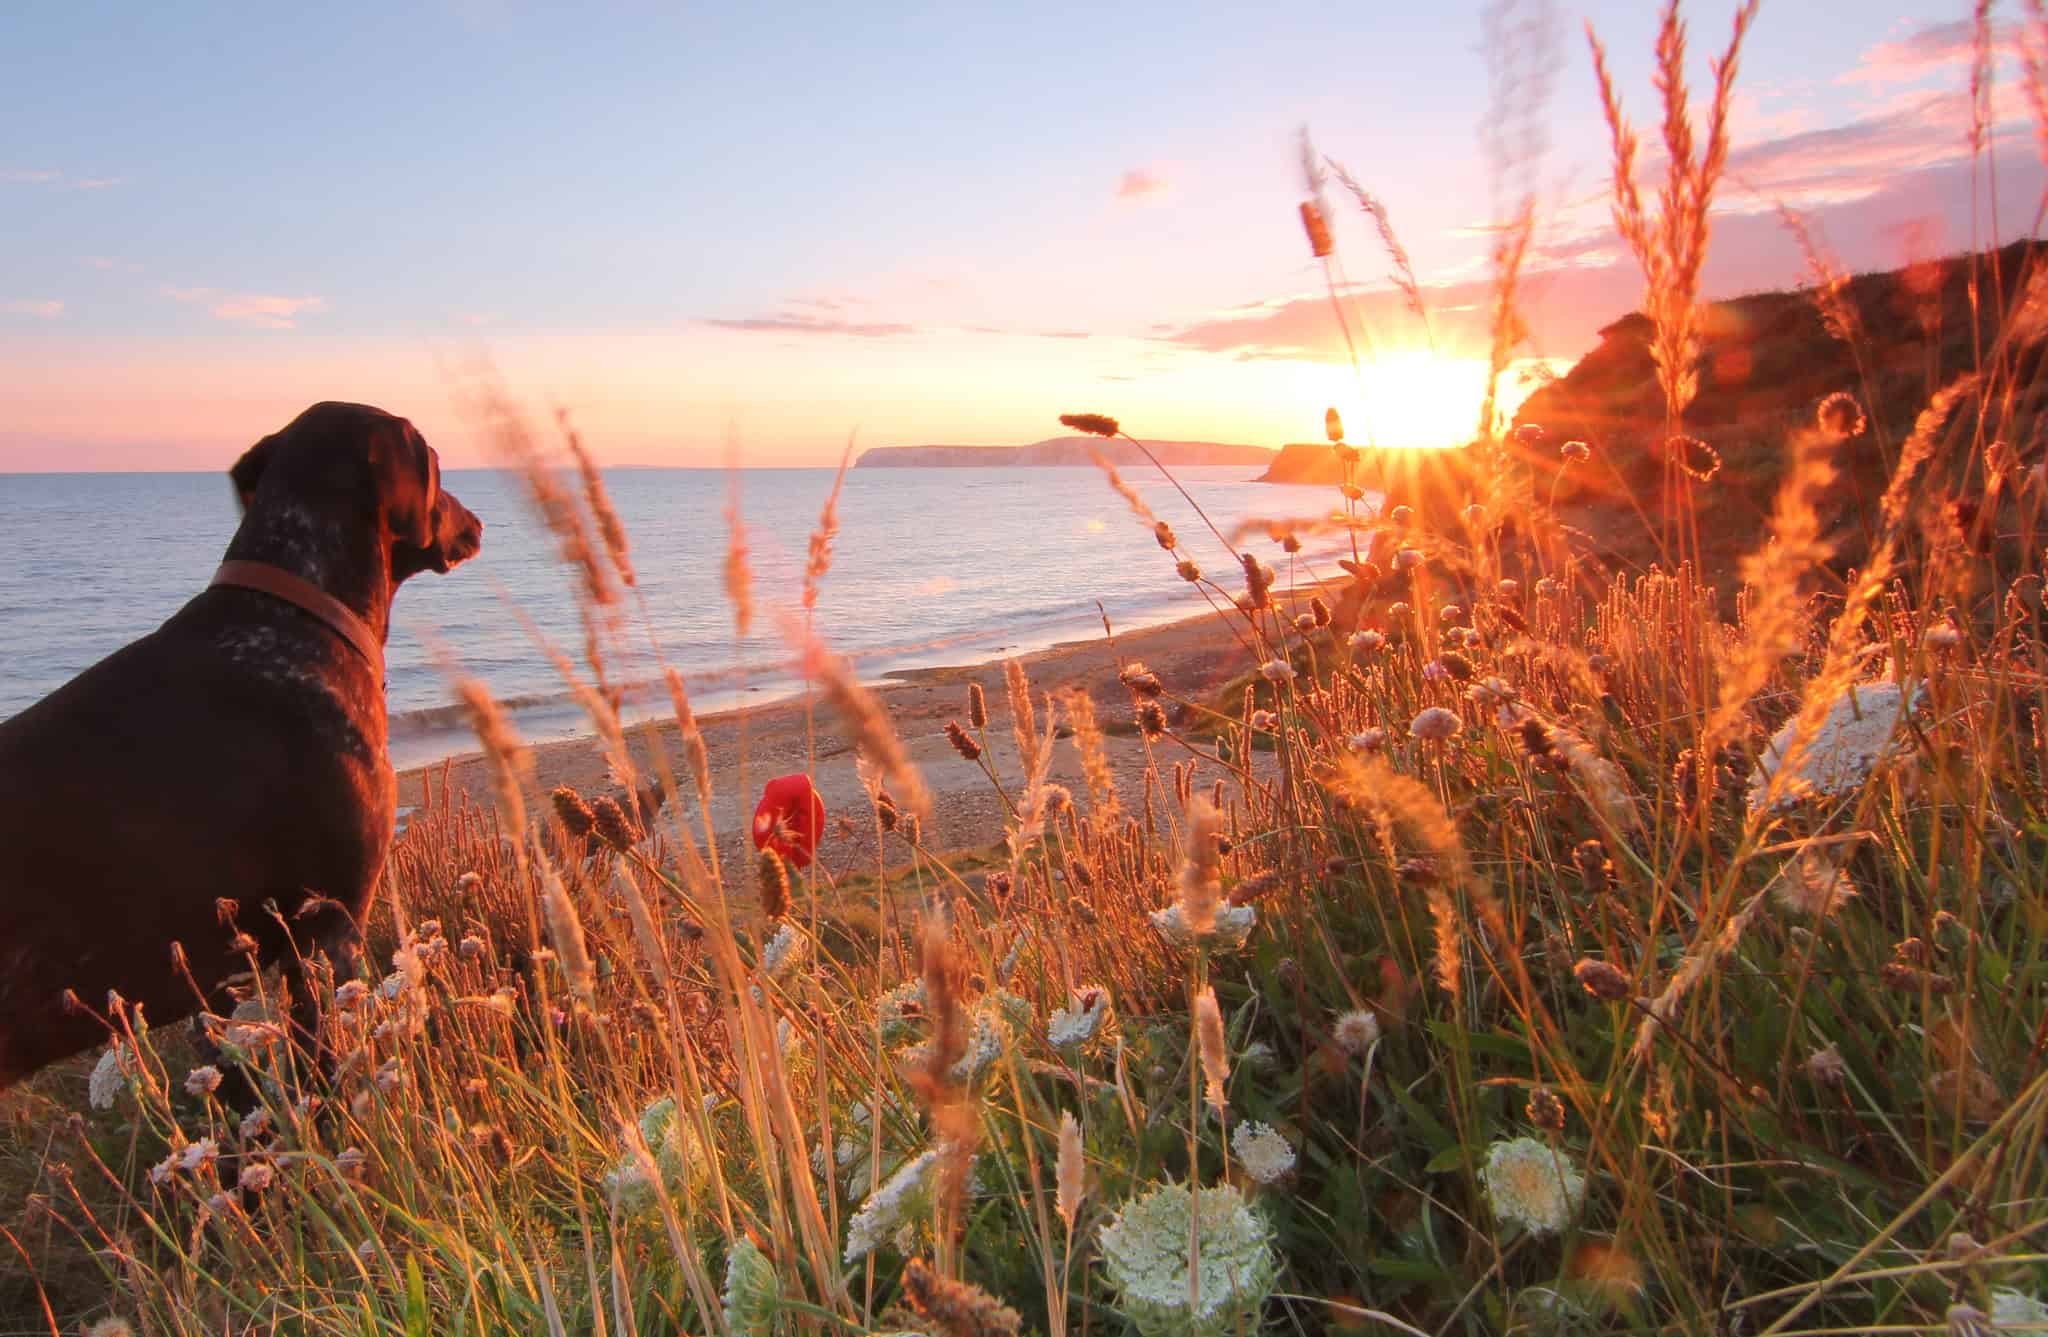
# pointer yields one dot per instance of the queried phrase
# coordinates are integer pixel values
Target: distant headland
(1062, 451)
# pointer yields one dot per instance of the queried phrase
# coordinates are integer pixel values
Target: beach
(749, 745)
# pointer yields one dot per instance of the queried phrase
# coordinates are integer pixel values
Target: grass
(1550, 1022)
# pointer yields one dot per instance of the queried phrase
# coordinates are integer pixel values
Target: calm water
(932, 566)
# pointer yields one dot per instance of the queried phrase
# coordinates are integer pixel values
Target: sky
(769, 230)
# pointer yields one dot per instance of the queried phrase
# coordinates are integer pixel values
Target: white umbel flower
(2017, 1309)
(1277, 670)
(1145, 1254)
(1233, 926)
(752, 1294)
(1859, 730)
(1072, 1027)
(108, 1078)
(1532, 1185)
(782, 951)
(890, 1208)
(1263, 1153)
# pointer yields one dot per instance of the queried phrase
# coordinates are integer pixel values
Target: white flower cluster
(1859, 731)
(1072, 1027)
(998, 1017)
(782, 951)
(1263, 1153)
(109, 1077)
(892, 1211)
(1233, 927)
(1532, 1185)
(1145, 1254)
(1357, 1031)
(673, 1147)
(752, 1294)
(2017, 1309)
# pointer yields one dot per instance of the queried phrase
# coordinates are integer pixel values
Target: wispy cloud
(108, 264)
(799, 323)
(47, 310)
(1935, 47)
(264, 310)
(1141, 183)
(56, 180)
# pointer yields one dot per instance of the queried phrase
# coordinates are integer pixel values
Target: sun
(1410, 398)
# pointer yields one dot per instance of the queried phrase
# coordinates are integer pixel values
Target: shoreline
(748, 744)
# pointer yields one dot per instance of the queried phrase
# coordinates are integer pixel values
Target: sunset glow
(858, 257)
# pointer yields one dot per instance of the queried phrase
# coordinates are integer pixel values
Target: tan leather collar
(282, 584)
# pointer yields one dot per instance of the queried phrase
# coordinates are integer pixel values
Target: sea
(930, 567)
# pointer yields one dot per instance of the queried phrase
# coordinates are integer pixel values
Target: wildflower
(198, 1155)
(1941, 636)
(1151, 720)
(1840, 416)
(898, 1012)
(1474, 516)
(573, 810)
(1810, 884)
(255, 1123)
(957, 1308)
(1575, 452)
(967, 748)
(1068, 1176)
(1232, 927)
(1265, 721)
(752, 1294)
(391, 1076)
(256, 1176)
(1263, 1153)
(1277, 670)
(349, 993)
(1357, 1031)
(1855, 735)
(1368, 740)
(1162, 534)
(1407, 559)
(1509, 588)
(1071, 1027)
(1434, 724)
(1365, 642)
(773, 879)
(1094, 424)
(1825, 1065)
(1201, 871)
(1146, 1257)
(977, 706)
(1531, 1185)
(1188, 571)
(1333, 426)
(790, 818)
(1140, 679)
(108, 1079)
(110, 1327)
(220, 1204)
(1403, 516)
(203, 1080)
(897, 1203)
(1529, 434)
(1549, 587)
(1434, 671)
(1210, 1042)
(1545, 1110)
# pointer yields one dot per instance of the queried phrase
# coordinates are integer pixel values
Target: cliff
(1768, 361)
(1061, 451)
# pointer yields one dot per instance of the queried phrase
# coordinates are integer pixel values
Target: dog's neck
(344, 563)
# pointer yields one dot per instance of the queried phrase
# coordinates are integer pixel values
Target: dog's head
(363, 467)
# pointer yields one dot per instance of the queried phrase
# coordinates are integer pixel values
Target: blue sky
(779, 226)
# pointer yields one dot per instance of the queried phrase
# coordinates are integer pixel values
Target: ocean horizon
(931, 567)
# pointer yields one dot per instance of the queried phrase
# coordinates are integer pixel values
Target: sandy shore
(748, 746)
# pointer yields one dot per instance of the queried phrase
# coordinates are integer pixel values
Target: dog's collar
(282, 584)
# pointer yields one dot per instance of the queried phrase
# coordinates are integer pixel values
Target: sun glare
(1405, 399)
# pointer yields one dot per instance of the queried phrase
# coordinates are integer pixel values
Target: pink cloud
(41, 176)
(1937, 46)
(264, 310)
(47, 310)
(1140, 183)
(788, 323)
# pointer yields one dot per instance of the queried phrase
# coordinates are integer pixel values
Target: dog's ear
(409, 480)
(248, 470)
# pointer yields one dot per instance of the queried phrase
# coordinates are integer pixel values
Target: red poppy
(790, 818)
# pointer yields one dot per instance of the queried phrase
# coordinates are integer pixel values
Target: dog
(226, 774)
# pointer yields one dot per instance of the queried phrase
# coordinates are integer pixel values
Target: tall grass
(1515, 947)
